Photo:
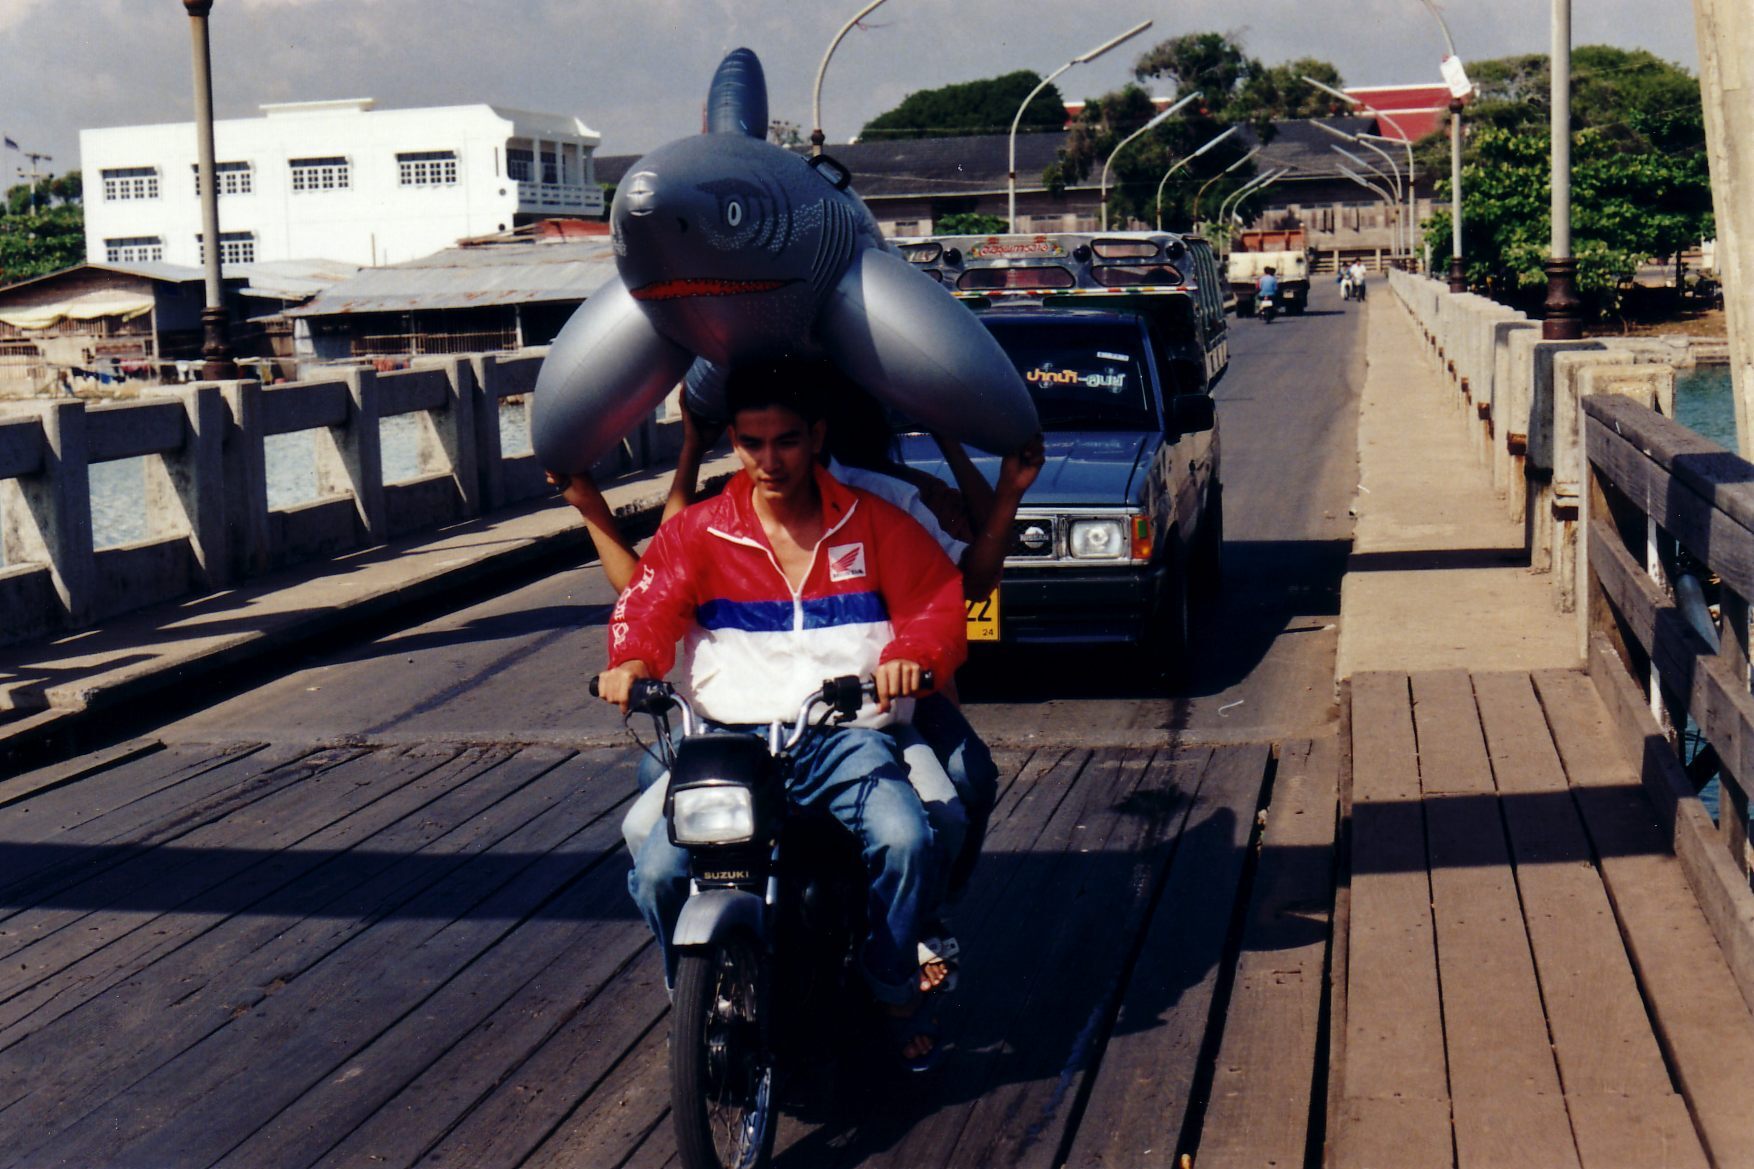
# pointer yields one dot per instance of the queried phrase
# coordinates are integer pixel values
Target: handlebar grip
(594, 693)
(649, 695)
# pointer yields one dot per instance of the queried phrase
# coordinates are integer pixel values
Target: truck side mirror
(1192, 413)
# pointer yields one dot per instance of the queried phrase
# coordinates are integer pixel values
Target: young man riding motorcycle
(784, 579)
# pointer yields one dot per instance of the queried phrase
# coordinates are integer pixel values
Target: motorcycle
(1265, 308)
(767, 941)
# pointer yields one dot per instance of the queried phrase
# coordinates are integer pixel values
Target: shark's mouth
(704, 286)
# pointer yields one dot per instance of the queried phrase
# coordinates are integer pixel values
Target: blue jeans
(853, 774)
(971, 769)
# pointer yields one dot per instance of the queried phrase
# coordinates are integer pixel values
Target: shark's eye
(734, 212)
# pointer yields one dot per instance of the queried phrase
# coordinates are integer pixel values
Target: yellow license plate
(983, 618)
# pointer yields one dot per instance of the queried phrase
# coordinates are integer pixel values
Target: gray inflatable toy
(730, 248)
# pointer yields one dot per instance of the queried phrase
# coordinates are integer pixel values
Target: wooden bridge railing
(1665, 505)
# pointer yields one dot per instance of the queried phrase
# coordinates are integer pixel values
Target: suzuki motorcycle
(767, 942)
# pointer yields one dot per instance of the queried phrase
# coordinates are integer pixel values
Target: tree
(971, 107)
(34, 245)
(1640, 184)
(971, 223)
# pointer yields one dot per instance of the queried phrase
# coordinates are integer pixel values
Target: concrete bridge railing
(1521, 397)
(208, 523)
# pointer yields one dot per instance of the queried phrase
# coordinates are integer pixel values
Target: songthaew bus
(1120, 339)
(1177, 274)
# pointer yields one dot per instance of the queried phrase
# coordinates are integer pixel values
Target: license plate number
(983, 618)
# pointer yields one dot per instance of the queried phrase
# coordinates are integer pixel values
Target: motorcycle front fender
(711, 914)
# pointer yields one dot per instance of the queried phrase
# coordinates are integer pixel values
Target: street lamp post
(1082, 58)
(1563, 319)
(816, 136)
(1392, 176)
(1181, 163)
(217, 364)
(1258, 183)
(1458, 279)
(1406, 142)
(1198, 195)
(1151, 125)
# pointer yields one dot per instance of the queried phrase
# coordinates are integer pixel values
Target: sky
(637, 72)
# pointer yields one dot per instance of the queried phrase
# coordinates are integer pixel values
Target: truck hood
(1084, 468)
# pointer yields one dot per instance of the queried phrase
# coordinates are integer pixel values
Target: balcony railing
(564, 196)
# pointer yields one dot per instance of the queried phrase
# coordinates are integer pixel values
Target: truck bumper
(1076, 606)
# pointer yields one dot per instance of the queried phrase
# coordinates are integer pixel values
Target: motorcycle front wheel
(721, 1064)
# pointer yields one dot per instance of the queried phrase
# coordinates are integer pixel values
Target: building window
(235, 178)
(235, 247)
(131, 182)
(428, 168)
(321, 174)
(906, 227)
(520, 163)
(133, 249)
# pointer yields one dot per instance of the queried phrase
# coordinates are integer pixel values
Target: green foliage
(971, 223)
(1639, 185)
(34, 245)
(1234, 88)
(971, 107)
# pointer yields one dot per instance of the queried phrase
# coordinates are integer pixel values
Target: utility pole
(35, 175)
(1725, 29)
(1562, 319)
(216, 362)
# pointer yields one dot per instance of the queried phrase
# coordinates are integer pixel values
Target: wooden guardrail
(208, 523)
(1664, 502)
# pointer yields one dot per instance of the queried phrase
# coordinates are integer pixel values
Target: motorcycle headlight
(1098, 540)
(712, 814)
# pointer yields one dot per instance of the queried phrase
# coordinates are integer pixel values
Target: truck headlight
(1098, 540)
(712, 814)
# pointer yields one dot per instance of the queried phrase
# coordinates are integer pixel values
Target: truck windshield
(1083, 375)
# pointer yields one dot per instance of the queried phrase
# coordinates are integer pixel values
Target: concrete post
(246, 478)
(1725, 29)
(47, 516)
(491, 491)
(185, 490)
(457, 433)
(350, 457)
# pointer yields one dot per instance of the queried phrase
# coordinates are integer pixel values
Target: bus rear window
(1132, 275)
(1125, 249)
(1030, 276)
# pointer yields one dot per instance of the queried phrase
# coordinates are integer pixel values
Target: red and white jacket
(878, 588)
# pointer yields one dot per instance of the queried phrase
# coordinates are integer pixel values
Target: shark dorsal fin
(737, 101)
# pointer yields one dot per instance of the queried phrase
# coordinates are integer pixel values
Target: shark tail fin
(737, 101)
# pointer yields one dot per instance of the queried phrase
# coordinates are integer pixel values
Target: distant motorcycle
(1265, 308)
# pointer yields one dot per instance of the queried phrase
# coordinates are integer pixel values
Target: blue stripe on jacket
(776, 616)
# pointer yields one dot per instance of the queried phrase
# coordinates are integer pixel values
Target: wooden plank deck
(278, 956)
(1527, 978)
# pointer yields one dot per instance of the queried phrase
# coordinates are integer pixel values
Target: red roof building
(1406, 111)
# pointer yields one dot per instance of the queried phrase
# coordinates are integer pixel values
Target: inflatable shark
(728, 249)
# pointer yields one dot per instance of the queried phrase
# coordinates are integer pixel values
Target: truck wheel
(1207, 576)
(1294, 307)
(1163, 653)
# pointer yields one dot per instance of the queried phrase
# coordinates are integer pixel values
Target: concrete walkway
(52, 687)
(1438, 576)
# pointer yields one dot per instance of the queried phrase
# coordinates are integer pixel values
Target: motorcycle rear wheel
(721, 1064)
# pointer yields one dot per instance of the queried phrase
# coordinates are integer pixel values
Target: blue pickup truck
(1123, 530)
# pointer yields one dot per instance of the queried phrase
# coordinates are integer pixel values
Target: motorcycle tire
(722, 1096)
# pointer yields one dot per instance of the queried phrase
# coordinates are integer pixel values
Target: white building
(335, 180)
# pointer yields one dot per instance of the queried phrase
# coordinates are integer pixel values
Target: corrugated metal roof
(495, 274)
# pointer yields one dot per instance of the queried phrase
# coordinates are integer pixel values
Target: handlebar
(843, 696)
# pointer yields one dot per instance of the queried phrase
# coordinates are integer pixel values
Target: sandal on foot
(945, 951)
(902, 1030)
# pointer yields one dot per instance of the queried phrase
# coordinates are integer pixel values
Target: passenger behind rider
(725, 577)
(1267, 286)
